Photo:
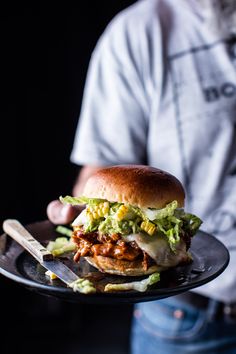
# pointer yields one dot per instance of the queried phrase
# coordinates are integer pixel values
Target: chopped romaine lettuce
(83, 286)
(60, 246)
(91, 226)
(80, 200)
(112, 225)
(141, 285)
(192, 221)
(126, 219)
(64, 230)
(157, 214)
(171, 227)
(73, 200)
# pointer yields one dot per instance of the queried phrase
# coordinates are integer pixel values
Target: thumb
(59, 213)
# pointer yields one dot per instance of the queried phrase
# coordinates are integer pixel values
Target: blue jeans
(170, 326)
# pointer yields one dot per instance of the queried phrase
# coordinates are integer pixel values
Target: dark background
(45, 51)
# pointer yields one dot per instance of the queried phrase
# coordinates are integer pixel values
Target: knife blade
(19, 233)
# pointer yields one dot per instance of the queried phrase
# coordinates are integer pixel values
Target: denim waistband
(202, 302)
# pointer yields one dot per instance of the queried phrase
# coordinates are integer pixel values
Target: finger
(59, 213)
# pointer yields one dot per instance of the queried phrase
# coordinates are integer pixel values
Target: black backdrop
(45, 52)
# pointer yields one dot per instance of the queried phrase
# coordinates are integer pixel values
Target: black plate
(210, 258)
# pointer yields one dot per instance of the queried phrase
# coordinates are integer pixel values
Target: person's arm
(59, 213)
(117, 103)
(84, 174)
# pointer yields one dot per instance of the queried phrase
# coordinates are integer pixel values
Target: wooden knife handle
(19, 233)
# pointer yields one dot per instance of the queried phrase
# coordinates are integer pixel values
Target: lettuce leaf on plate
(140, 285)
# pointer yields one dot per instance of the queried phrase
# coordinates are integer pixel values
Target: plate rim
(132, 296)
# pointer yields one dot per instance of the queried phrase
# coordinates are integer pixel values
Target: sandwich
(133, 222)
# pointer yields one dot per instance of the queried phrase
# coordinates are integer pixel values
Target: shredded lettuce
(91, 226)
(171, 227)
(141, 285)
(80, 200)
(127, 219)
(157, 214)
(192, 222)
(60, 246)
(83, 286)
(64, 230)
(125, 227)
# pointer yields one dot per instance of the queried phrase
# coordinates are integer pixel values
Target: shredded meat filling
(94, 243)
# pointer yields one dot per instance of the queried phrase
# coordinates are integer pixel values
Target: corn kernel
(98, 211)
(105, 208)
(51, 275)
(89, 214)
(148, 227)
(121, 212)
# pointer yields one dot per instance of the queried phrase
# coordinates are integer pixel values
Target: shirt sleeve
(113, 124)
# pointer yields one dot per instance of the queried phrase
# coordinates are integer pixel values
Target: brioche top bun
(138, 185)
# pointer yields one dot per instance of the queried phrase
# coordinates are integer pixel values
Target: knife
(19, 233)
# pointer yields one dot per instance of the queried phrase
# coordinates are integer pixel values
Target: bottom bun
(121, 267)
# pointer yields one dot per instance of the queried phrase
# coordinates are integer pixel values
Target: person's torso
(192, 130)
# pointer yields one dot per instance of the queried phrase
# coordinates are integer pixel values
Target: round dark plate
(210, 258)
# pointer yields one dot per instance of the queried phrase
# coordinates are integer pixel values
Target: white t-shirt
(161, 90)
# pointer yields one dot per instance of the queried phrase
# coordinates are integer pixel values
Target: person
(161, 90)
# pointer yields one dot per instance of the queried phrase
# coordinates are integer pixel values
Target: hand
(59, 213)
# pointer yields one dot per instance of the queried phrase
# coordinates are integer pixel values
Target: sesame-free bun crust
(121, 267)
(138, 185)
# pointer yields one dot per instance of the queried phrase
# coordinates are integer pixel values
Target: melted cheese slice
(158, 249)
(81, 219)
